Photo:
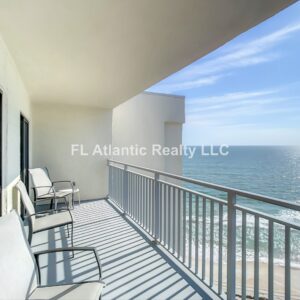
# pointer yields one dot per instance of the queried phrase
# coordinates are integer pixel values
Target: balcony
(149, 235)
(133, 267)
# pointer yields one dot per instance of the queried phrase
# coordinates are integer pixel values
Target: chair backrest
(18, 275)
(26, 200)
(40, 178)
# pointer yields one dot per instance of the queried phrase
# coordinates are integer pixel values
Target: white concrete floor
(133, 268)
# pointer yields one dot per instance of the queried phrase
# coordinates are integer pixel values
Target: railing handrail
(245, 194)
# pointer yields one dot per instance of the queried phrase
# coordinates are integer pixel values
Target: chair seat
(53, 220)
(58, 194)
(77, 291)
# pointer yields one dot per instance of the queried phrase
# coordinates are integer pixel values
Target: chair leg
(72, 200)
(72, 238)
(68, 231)
(66, 202)
(55, 204)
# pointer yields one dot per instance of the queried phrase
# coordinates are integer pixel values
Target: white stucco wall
(56, 128)
(15, 101)
(148, 119)
(144, 120)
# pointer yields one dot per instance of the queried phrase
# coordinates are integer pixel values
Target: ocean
(268, 170)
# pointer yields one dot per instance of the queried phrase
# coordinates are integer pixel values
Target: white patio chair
(20, 274)
(45, 189)
(48, 219)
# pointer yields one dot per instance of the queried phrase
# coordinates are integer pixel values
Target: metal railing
(201, 230)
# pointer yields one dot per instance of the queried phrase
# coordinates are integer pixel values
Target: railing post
(109, 179)
(125, 189)
(156, 205)
(231, 246)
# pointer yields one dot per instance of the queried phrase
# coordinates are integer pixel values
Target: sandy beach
(279, 279)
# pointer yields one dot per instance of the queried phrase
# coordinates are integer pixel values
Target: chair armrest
(72, 183)
(51, 190)
(69, 249)
(48, 212)
(42, 186)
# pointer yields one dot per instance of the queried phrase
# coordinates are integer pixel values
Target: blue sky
(247, 92)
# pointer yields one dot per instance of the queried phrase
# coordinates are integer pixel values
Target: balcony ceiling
(103, 52)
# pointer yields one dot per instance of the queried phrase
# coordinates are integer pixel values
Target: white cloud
(237, 107)
(244, 54)
(208, 72)
(230, 97)
(186, 85)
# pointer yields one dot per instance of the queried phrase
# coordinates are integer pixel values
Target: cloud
(235, 108)
(225, 98)
(186, 85)
(208, 71)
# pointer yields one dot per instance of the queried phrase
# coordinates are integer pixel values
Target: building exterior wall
(148, 119)
(15, 101)
(143, 120)
(56, 128)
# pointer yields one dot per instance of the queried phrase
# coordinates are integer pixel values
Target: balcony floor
(133, 268)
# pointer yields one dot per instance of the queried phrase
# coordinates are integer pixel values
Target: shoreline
(279, 279)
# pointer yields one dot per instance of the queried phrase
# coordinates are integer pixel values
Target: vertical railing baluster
(220, 258)
(184, 228)
(142, 200)
(203, 238)
(287, 267)
(130, 196)
(231, 245)
(271, 261)
(109, 179)
(156, 206)
(111, 185)
(190, 229)
(211, 255)
(133, 194)
(136, 197)
(144, 203)
(147, 204)
(165, 214)
(256, 257)
(174, 219)
(244, 257)
(139, 198)
(150, 205)
(161, 212)
(197, 235)
(125, 189)
(169, 217)
(118, 188)
(179, 227)
(115, 184)
(153, 193)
